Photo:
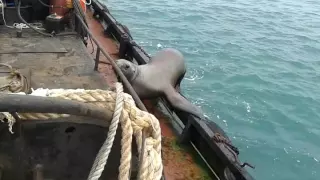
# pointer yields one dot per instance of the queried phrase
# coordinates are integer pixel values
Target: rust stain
(178, 163)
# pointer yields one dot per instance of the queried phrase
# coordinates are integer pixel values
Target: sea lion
(161, 76)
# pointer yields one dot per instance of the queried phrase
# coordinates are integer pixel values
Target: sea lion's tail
(181, 103)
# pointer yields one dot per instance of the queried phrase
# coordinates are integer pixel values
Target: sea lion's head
(128, 68)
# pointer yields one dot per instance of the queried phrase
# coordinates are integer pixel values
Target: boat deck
(59, 62)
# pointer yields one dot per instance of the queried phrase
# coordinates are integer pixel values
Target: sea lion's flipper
(181, 103)
(177, 87)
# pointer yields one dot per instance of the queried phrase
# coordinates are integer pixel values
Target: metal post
(96, 64)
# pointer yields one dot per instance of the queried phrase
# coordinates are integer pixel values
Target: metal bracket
(247, 164)
(124, 41)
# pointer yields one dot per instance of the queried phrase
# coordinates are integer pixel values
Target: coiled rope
(16, 82)
(133, 122)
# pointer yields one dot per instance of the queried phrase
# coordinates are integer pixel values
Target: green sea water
(253, 67)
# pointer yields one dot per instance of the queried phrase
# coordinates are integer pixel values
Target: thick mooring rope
(103, 154)
(133, 122)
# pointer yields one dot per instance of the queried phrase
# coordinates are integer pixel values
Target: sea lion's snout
(126, 67)
(122, 64)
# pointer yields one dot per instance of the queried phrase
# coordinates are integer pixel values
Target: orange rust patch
(178, 162)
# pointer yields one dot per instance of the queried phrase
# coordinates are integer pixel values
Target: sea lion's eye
(126, 66)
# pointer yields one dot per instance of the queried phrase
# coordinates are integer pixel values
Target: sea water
(253, 67)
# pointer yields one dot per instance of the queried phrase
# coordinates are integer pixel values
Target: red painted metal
(58, 7)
